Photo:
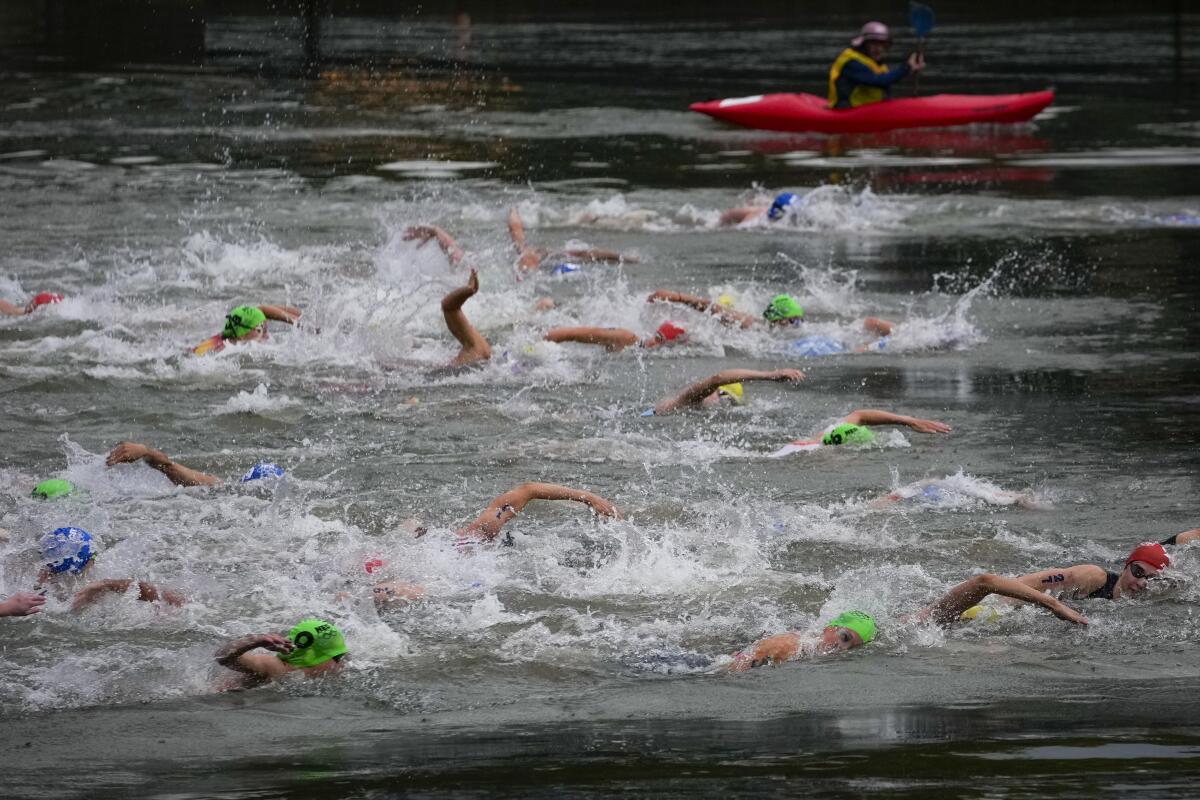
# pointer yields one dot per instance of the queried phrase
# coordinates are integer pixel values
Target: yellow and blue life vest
(859, 95)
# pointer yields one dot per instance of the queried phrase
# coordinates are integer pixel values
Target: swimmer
(178, 474)
(616, 339)
(71, 552)
(777, 210)
(1091, 581)
(852, 429)
(723, 388)
(314, 647)
(855, 628)
(247, 324)
(474, 347)
(934, 490)
(530, 258)
(503, 509)
(422, 234)
(22, 604)
(39, 300)
(783, 310)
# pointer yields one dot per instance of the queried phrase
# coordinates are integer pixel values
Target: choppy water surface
(1043, 275)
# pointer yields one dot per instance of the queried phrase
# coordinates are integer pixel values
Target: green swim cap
(242, 320)
(316, 642)
(783, 307)
(53, 489)
(861, 623)
(848, 434)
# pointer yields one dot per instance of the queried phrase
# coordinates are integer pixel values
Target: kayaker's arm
(862, 75)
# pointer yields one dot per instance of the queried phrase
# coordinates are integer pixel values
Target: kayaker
(859, 76)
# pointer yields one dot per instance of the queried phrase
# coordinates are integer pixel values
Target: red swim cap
(46, 298)
(373, 564)
(670, 331)
(1149, 553)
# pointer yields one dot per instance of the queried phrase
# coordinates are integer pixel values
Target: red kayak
(807, 112)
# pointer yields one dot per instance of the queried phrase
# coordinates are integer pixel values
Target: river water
(1043, 275)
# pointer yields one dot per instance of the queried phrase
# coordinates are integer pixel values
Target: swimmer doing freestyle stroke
(724, 388)
(179, 474)
(247, 324)
(783, 311)
(855, 628)
(314, 648)
(852, 430)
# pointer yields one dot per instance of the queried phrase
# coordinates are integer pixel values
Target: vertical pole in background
(312, 37)
(920, 17)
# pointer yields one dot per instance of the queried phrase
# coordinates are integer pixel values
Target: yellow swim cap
(726, 301)
(733, 391)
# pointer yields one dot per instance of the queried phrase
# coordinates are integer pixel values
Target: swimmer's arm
(288, 314)
(235, 655)
(508, 505)
(613, 339)
(11, 310)
(22, 604)
(702, 304)
(875, 325)
(595, 254)
(872, 416)
(736, 216)
(1183, 538)
(1080, 579)
(695, 394)
(516, 229)
(971, 591)
(129, 452)
(450, 247)
(146, 591)
(771, 650)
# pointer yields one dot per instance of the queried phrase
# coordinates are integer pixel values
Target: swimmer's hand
(473, 282)
(423, 233)
(1066, 613)
(601, 506)
(275, 643)
(793, 375)
(126, 453)
(22, 604)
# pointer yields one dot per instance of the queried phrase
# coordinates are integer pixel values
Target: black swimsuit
(1105, 592)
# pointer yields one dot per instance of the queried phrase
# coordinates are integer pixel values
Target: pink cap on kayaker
(46, 298)
(872, 32)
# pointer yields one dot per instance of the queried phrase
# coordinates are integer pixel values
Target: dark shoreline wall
(73, 33)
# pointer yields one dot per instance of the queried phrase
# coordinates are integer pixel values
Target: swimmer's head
(67, 550)
(263, 469)
(783, 308)
(53, 489)
(372, 564)
(315, 643)
(848, 434)
(732, 393)
(1145, 563)
(243, 321)
(781, 205)
(726, 301)
(847, 630)
(669, 332)
(45, 299)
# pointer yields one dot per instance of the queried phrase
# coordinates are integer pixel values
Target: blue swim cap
(565, 269)
(263, 469)
(782, 203)
(813, 346)
(67, 550)
(933, 493)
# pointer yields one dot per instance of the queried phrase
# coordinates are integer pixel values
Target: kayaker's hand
(916, 62)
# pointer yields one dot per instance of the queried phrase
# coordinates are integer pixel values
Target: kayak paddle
(920, 17)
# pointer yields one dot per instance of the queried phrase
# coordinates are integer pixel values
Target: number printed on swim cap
(303, 639)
